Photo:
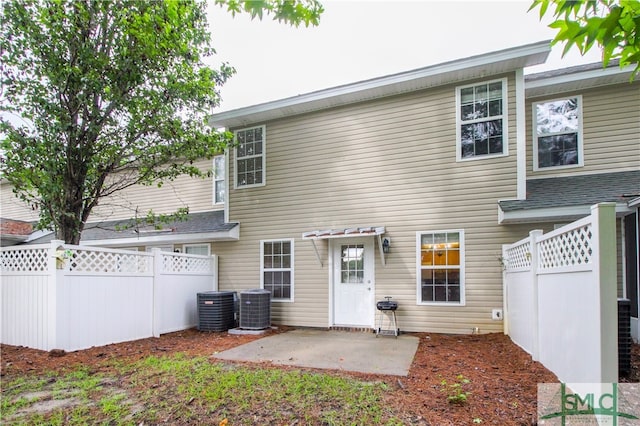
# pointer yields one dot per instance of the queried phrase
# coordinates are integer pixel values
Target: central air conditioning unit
(255, 309)
(215, 310)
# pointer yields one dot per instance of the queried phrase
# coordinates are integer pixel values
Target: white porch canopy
(374, 231)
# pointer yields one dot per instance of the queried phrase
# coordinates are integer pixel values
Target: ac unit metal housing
(216, 310)
(255, 309)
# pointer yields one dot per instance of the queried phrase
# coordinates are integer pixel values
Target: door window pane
(352, 263)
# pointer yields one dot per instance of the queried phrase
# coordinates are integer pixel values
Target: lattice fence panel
(176, 263)
(518, 257)
(108, 262)
(573, 248)
(24, 260)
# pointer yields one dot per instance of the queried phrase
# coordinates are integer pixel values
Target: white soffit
(553, 214)
(479, 66)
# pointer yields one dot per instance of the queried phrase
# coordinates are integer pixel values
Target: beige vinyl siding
(194, 193)
(611, 130)
(391, 163)
(12, 208)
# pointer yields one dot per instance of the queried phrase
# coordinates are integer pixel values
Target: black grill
(387, 305)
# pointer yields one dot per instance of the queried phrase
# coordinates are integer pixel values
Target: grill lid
(387, 305)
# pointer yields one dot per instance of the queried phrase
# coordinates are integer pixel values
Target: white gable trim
(480, 66)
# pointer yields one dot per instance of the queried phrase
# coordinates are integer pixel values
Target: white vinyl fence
(58, 296)
(561, 297)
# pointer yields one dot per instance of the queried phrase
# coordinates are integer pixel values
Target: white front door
(353, 282)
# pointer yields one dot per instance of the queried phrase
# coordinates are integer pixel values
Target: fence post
(53, 296)
(604, 233)
(156, 311)
(505, 291)
(214, 266)
(534, 236)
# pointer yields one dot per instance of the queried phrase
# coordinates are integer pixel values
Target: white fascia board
(444, 73)
(566, 82)
(553, 214)
(231, 235)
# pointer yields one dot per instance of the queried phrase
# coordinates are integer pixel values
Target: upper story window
(557, 133)
(482, 120)
(250, 158)
(440, 267)
(219, 184)
(276, 265)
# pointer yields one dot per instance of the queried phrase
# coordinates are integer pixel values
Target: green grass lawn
(184, 390)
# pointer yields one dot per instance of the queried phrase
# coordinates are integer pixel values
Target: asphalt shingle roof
(577, 191)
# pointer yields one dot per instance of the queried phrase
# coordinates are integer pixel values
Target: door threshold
(352, 329)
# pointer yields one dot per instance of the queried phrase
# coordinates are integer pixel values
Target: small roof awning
(367, 231)
(343, 233)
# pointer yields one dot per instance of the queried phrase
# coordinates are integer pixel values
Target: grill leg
(392, 320)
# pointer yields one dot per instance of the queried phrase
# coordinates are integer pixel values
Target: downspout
(521, 137)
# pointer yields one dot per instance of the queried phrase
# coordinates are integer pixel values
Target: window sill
(552, 168)
(454, 304)
(255, 185)
(481, 157)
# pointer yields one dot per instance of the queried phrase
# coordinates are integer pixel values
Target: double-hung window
(440, 258)
(250, 157)
(482, 120)
(276, 267)
(219, 184)
(557, 133)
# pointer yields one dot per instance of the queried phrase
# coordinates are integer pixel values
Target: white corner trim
(521, 137)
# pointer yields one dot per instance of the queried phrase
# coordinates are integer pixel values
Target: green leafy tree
(612, 25)
(110, 94)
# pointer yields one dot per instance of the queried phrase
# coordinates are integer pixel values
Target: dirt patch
(498, 378)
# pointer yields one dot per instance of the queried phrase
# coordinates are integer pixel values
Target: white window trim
(419, 301)
(217, 178)
(292, 268)
(504, 117)
(208, 246)
(534, 125)
(264, 159)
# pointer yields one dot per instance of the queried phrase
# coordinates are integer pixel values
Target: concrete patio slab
(336, 350)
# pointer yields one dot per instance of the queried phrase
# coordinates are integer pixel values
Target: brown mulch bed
(503, 378)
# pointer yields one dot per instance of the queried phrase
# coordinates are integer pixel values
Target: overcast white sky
(358, 40)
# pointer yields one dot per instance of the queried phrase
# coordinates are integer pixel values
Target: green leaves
(110, 94)
(613, 25)
(294, 12)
